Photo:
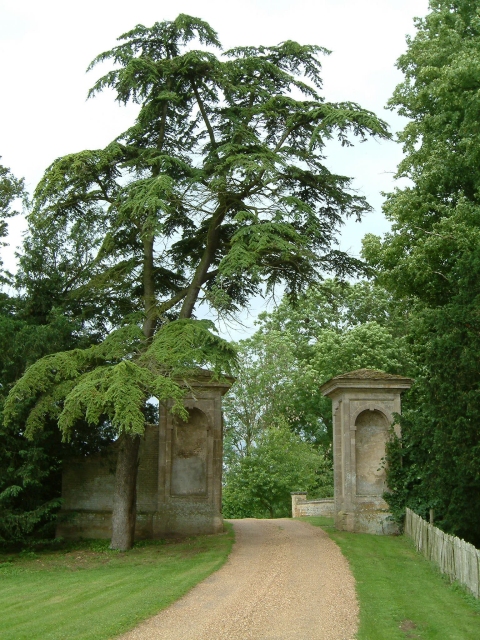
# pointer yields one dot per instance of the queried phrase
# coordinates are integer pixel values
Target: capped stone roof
(369, 374)
(374, 379)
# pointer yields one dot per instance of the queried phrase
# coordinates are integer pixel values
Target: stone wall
(179, 480)
(303, 507)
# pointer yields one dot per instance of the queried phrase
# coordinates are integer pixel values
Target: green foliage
(400, 593)
(435, 465)
(259, 484)
(28, 505)
(369, 346)
(431, 259)
(11, 188)
(85, 591)
(184, 346)
(32, 326)
(116, 378)
(30, 471)
(270, 383)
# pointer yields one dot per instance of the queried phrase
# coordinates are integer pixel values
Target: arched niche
(371, 406)
(371, 434)
(189, 455)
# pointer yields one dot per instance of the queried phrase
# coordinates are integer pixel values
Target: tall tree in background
(217, 192)
(432, 258)
(332, 328)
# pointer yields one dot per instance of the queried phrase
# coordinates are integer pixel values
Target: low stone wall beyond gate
(303, 507)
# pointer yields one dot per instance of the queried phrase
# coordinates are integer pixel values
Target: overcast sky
(46, 45)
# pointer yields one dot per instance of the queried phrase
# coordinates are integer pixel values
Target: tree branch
(204, 115)
(165, 306)
(205, 262)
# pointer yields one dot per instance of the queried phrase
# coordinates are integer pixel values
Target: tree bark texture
(125, 493)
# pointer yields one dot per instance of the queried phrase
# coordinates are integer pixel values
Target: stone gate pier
(364, 402)
(179, 482)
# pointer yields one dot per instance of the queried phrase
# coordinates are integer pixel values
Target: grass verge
(88, 592)
(401, 594)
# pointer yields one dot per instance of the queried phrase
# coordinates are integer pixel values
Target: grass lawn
(88, 592)
(401, 594)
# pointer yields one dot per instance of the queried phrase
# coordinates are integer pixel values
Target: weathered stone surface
(364, 402)
(303, 507)
(179, 485)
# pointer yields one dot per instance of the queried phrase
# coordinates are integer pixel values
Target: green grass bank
(88, 592)
(401, 594)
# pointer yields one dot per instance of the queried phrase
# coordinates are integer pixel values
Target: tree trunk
(125, 493)
(149, 289)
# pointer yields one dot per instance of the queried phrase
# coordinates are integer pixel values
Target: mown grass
(88, 592)
(401, 594)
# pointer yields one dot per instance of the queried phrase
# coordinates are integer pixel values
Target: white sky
(46, 45)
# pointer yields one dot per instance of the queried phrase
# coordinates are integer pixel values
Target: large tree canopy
(432, 258)
(220, 185)
(217, 191)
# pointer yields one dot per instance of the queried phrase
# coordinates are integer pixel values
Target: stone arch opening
(371, 434)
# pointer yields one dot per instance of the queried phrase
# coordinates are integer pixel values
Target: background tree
(11, 188)
(258, 484)
(30, 471)
(431, 259)
(217, 192)
(333, 328)
(31, 327)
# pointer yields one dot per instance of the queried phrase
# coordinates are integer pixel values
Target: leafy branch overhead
(115, 379)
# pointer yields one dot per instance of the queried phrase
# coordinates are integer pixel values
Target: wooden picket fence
(457, 558)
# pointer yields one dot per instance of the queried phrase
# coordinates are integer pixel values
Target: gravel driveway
(284, 580)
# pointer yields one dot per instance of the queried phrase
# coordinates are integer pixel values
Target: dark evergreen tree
(34, 321)
(432, 259)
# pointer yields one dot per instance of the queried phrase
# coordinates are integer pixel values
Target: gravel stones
(284, 580)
